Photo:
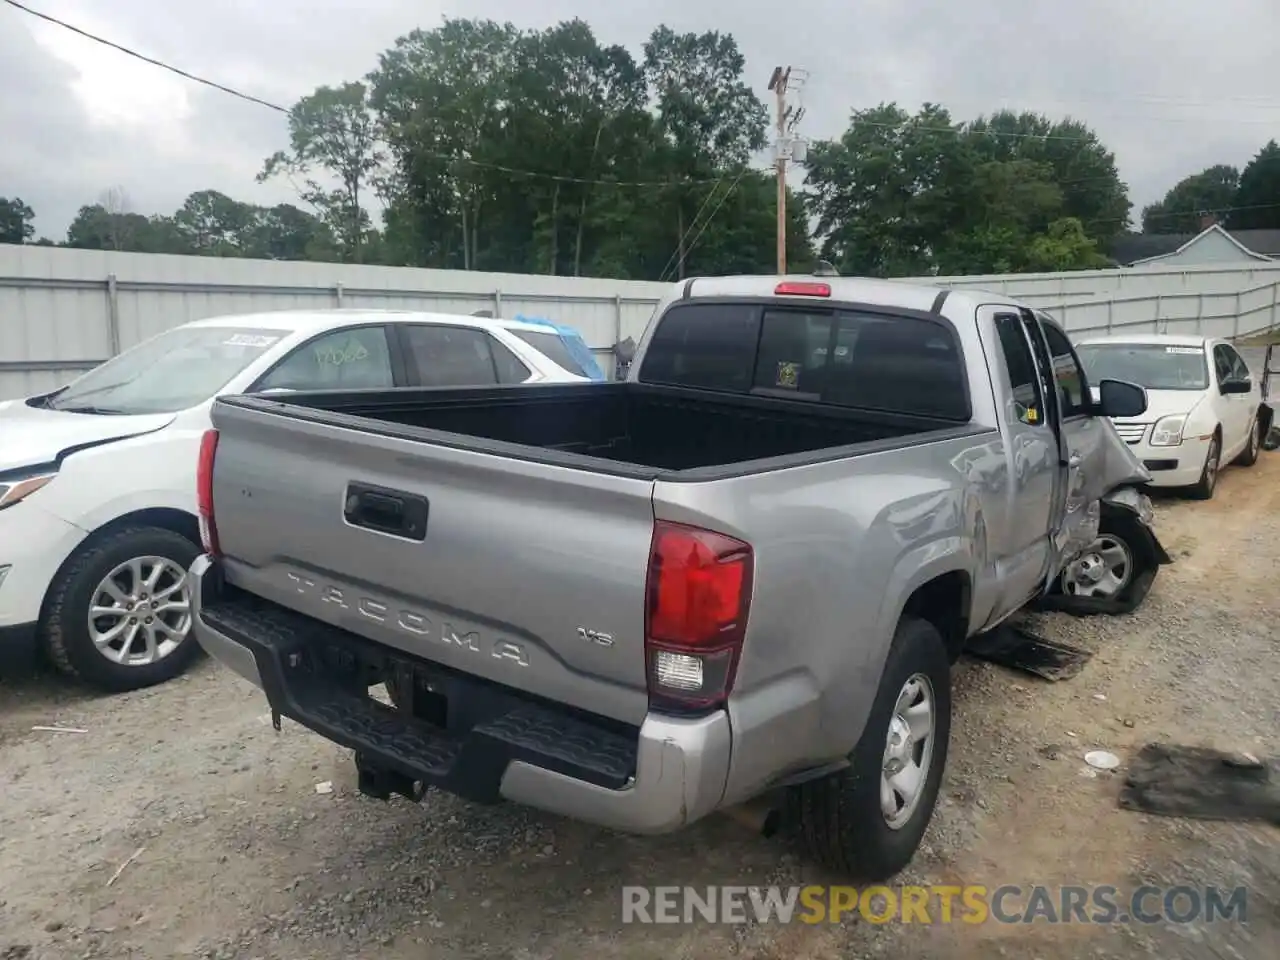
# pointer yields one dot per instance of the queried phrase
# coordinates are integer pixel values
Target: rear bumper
(495, 744)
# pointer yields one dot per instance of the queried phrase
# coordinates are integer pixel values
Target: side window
(353, 359)
(1067, 372)
(552, 347)
(1239, 369)
(1222, 363)
(511, 369)
(1021, 367)
(445, 356)
(892, 363)
(711, 346)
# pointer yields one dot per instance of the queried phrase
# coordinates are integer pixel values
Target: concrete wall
(64, 311)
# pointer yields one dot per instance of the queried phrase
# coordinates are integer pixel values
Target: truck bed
(507, 532)
(630, 428)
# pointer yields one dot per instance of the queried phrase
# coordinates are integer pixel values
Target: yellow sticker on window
(788, 375)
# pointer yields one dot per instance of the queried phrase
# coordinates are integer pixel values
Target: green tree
(210, 222)
(1064, 246)
(887, 192)
(333, 132)
(708, 118)
(16, 221)
(902, 194)
(438, 95)
(96, 227)
(547, 152)
(284, 232)
(1212, 190)
(581, 115)
(1082, 166)
(1257, 201)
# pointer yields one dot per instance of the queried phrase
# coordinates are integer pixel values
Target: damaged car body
(745, 570)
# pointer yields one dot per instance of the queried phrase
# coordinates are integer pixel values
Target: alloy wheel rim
(140, 612)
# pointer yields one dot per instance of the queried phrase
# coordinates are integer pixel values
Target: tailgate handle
(386, 511)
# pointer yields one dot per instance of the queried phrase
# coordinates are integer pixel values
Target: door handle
(1074, 460)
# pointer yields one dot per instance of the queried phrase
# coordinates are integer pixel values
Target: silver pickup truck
(744, 571)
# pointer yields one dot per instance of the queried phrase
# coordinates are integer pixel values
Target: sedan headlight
(19, 488)
(1168, 431)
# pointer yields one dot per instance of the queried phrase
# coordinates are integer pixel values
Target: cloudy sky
(1172, 86)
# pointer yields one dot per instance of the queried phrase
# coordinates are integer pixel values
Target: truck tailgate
(523, 573)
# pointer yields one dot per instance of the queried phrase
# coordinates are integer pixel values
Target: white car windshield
(171, 372)
(1151, 365)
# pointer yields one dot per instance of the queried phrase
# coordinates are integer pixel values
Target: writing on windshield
(1154, 366)
(174, 371)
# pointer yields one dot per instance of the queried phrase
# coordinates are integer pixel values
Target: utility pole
(778, 84)
(788, 146)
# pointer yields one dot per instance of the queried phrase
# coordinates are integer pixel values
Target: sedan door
(1234, 410)
(1243, 406)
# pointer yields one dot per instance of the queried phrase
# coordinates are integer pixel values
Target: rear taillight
(204, 492)
(698, 596)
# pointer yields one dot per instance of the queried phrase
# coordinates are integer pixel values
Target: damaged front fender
(1138, 503)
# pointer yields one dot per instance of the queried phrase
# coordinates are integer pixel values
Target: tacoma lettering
(411, 621)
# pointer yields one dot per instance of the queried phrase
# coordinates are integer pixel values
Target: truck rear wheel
(867, 820)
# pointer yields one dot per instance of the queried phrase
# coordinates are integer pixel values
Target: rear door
(443, 355)
(1019, 537)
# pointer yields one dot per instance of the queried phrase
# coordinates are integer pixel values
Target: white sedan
(1203, 406)
(98, 515)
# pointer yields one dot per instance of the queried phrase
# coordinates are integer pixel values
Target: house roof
(1136, 247)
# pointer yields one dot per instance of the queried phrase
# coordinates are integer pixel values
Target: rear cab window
(838, 355)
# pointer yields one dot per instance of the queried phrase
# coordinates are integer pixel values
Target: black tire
(1122, 525)
(1208, 482)
(64, 628)
(839, 815)
(1249, 455)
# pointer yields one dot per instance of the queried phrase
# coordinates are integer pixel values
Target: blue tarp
(573, 342)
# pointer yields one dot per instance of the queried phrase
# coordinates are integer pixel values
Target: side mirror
(624, 351)
(1230, 387)
(1116, 398)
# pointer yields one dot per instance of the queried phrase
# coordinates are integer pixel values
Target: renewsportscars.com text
(934, 904)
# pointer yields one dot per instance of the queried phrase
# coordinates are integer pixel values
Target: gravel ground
(220, 845)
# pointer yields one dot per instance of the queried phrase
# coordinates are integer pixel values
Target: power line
(676, 259)
(144, 58)
(1168, 214)
(532, 174)
(250, 98)
(733, 186)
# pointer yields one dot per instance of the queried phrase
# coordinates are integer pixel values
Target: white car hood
(30, 436)
(1166, 403)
